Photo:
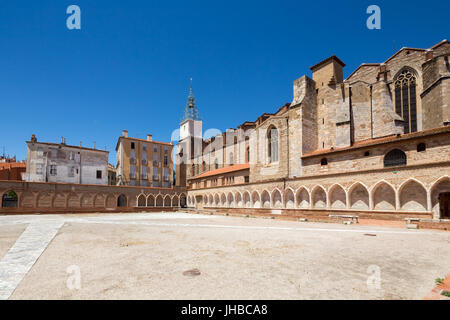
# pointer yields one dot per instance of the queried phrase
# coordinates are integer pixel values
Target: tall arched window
(394, 158)
(203, 166)
(231, 158)
(405, 99)
(216, 164)
(272, 144)
(247, 155)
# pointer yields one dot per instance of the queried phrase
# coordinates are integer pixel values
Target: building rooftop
(233, 168)
(66, 145)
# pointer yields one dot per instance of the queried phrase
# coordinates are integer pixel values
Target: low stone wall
(37, 197)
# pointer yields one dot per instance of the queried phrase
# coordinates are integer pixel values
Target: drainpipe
(371, 113)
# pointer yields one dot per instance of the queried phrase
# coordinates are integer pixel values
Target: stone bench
(353, 219)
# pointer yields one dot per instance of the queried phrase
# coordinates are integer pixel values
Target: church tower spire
(191, 112)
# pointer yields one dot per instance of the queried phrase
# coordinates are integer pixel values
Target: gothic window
(216, 164)
(203, 166)
(421, 147)
(272, 144)
(405, 99)
(231, 159)
(395, 158)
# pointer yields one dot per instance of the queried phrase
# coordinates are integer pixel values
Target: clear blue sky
(129, 65)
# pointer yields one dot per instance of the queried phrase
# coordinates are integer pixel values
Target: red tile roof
(371, 142)
(10, 165)
(233, 168)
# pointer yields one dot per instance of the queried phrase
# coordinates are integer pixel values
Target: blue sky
(129, 65)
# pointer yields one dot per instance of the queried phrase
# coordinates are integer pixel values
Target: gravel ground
(144, 256)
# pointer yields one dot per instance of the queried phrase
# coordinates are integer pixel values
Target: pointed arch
(59, 200)
(110, 202)
(230, 200)
(175, 201)
(211, 200)
(99, 201)
(358, 196)
(141, 200)
(289, 198)
(277, 200)
(337, 196)
(44, 200)
(159, 201)
(412, 196)
(440, 195)
(302, 198)
(383, 195)
(319, 197)
(150, 200)
(256, 199)
(223, 200)
(183, 200)
(167, 201)
(272, 144)
(247, 199)
(238, 199)
(216, 200)
(122, 201)
(265, 199)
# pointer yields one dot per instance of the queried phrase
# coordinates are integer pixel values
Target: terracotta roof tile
(233, 168)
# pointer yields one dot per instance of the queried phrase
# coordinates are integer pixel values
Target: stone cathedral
(376, 143)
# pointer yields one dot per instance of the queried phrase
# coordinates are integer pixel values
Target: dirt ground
(144, 256)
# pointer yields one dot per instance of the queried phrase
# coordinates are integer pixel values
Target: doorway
(444, 205)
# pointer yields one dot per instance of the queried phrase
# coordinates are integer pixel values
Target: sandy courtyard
(144, 256)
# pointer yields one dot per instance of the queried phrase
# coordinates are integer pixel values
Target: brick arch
(256, 199)
(110, 201)
(59, 200)
(27, 199)
(73, 200)
(45, 200)
(337, 196)
(358, 196)
(141, 200)
(99, 200)
(150, 200)
(265, 199)
(439, 186)
(87, 200)
(276, 199)
(319, 197)
(247, 201)
(383, 196)
(289, 198)
(238, 199)
(302, 198)
(412, 196)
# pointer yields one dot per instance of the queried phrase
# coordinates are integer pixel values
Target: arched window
(394, 158)
(216, 164)
(247, 155)
(323, 162)
(193, 169)
(231, 159)
(405, 99)
(272, 144)
(421, 147)
(204, 166)
(121, 201)
(9, 199)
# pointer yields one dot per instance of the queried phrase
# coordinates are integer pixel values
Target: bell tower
(190, 144)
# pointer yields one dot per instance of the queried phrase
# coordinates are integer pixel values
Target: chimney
(149, 137)
(125, 133)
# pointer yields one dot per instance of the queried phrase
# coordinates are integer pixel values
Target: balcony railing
(144, 176)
